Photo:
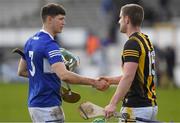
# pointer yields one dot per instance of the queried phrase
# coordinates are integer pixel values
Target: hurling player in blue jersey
(43, 65)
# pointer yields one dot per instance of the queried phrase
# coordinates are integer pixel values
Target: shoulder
(51, 43)
(131, 44)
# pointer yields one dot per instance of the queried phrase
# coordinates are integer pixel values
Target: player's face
(122, 23)
(58, 23)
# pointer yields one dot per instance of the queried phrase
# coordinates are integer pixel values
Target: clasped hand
(101, 84)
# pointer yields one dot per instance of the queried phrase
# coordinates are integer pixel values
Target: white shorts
(142, 112)
(53, 114)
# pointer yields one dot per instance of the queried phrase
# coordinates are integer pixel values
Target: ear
(49, 19)
(127, 19)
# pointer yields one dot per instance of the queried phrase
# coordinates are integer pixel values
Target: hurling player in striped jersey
(136, 86)
(43, 65)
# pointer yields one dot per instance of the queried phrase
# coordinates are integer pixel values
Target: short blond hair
(135, 12)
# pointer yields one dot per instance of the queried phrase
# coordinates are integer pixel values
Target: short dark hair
(135, 12)
(52, 9)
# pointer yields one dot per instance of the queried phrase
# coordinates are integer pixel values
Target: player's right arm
(70, 77)
(73, 78)
(22, 68)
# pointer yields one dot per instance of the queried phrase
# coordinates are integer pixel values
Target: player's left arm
(131, 54)
(124, 85)
(22, 68)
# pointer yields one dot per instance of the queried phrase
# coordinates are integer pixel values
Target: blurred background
(92, 33)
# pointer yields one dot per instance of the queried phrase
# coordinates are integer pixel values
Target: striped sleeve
(131, 52)
(53, 53)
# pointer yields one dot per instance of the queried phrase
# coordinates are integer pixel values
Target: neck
(48, 29)
(132, 30)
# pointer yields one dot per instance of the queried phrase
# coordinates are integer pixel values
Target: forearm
(125, 83)
(121, 90)
(74, 78)
(115, 80)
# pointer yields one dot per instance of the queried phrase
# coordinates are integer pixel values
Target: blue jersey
(41, 51)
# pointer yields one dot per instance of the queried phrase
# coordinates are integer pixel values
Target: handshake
(101, 83)
(72, 61)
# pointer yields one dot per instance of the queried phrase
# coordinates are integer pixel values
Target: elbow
(129, 77)
(68, 77)
(64, 77)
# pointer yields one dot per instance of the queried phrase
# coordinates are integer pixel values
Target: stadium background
(20, 19)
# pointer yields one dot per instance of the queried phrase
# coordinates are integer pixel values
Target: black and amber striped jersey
(139, 49)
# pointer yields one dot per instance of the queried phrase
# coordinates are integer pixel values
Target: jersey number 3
(32, 72)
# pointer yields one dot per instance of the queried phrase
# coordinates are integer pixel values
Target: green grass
(13, 103)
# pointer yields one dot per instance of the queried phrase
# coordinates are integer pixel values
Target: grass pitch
(13, 103)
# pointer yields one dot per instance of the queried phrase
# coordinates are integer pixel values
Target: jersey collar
(42, 30)
(133, 34)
